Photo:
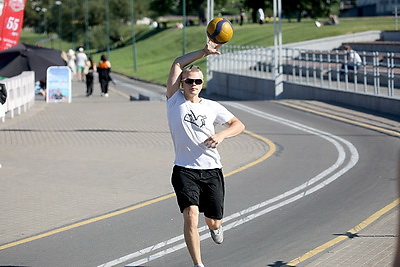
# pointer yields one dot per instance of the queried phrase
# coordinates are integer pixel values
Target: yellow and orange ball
(219, 30)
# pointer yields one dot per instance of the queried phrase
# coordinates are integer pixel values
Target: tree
(309, 8)
(174, 7)
(73, 19)
(298, 8)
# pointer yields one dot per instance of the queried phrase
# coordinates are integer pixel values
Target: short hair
(191, 68)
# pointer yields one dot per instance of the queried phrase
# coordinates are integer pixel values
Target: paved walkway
(63, 163)
(373, 246)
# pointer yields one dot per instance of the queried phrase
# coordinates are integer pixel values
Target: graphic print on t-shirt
(199, 120)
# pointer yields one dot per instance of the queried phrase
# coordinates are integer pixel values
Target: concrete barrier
(241, 87)
(254, 88)
(330, 43)
(371, 102)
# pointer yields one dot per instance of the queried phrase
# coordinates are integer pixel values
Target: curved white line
(289, 196)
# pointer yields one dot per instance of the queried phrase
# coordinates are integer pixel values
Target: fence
(377, 75)
(20, 93)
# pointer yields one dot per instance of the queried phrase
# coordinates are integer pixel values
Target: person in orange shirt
(104, 69)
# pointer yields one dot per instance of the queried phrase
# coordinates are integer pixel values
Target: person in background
(71, 61)
(3, 99)
(90, 68)
(242, 16)
(333, 20)
(354, 60)
(81, 59)
(104, 69)
(261, 16)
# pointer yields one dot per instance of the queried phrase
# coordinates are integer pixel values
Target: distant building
(369, 8)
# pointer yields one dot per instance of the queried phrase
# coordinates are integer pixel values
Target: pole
(59, 26)
(87, 45)
(133, 37)
(58, 3)
(45, 20)
(184, 27)
(210, 10)
(209, 17)
(38, 10)
(278, 49)
(107, 29)
(73, 25)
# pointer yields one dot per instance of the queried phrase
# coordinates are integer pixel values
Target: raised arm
(179, 63)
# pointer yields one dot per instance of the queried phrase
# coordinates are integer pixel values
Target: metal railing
(378, 74)
(20, 93)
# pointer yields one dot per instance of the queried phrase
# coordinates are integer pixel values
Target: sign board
(58, 85)
(11, 20)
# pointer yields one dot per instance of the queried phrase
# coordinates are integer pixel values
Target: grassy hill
(156, 49)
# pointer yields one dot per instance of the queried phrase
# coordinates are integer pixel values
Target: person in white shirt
(81, 59)
(261, 16)
(197, 174)
(71, 61)
(353, 59)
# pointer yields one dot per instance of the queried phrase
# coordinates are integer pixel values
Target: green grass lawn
(156, 50)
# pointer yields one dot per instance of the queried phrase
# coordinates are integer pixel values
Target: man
(197, 176)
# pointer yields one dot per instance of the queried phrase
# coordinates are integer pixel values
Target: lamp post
(184, 27)
(87, 25)
(108, 28)
(210, 10)
(133, 37)
(38, 9)
(209, 17)
(73, 24)
(278, 71)
(44, 10)
(58, 3)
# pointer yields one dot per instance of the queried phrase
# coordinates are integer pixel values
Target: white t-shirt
(81, 59)
(355, 57)
(190, 125)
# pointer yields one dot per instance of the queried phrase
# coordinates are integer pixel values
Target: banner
(11, 20)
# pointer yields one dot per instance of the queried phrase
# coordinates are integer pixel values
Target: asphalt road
(323, 177)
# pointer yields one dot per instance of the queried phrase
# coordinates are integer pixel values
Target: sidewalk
(373, 246)
(63, 163)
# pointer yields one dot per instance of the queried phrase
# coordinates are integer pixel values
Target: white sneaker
(217, 235)
(106, 95)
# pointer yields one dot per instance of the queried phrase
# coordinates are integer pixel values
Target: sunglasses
(190, 81)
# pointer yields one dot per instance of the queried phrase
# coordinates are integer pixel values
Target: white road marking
(256, 211)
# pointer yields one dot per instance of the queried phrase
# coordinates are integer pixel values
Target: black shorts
(203, 188)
